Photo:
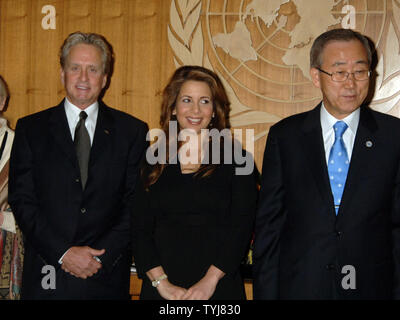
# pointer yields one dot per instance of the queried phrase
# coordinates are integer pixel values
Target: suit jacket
(301, 247)
(53, 211)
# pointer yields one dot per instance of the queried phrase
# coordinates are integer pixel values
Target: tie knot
(83, 115)
(339, 127)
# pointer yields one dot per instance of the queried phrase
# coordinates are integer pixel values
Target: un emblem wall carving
(260, 48)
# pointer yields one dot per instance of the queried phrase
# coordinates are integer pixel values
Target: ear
(315, 74)
(2, 103)
(104, 81)
(62, 75)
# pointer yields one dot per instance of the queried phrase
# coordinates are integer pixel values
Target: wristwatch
(157, 281)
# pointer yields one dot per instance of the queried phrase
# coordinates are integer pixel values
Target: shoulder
(236, 160)
(382, 124)
(293, 123)
(38, 118)
(124, 119)
(384, 118)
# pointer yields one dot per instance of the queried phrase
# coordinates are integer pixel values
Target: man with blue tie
(328, 222)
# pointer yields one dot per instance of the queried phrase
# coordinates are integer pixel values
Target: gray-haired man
(72, 175)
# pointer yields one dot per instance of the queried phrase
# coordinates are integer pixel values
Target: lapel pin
(368, 144)
(106, 131)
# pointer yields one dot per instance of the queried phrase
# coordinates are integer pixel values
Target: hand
(79, 261)
(169, 291)
(202, 290)
(205, 288)
(166, 289)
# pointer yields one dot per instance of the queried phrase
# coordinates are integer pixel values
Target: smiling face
(83, 76)
(194, 106)
(342, 98)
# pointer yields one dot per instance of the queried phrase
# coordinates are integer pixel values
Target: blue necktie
(338, 164)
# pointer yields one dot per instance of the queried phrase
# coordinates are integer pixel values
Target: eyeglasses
(340, 76)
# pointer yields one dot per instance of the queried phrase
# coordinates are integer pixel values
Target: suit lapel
(314, 150)
(361, 155)
(58, 126)
(104, 132)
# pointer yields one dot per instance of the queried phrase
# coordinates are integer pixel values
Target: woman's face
(194, 106)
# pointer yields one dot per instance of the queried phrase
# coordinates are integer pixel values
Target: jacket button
(83, 210)
(339, 233)
(330, 266)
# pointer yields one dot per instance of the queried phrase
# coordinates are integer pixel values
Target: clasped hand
(202, 290)
(80, 262)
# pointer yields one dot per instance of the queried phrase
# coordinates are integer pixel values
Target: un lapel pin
(368, 144)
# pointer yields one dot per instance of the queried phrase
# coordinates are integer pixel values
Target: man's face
(83, 76)
(342, 98)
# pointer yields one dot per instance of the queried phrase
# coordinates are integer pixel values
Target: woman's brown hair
(220, 121)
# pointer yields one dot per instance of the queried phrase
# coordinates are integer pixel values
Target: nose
(196, 107)
(350, 81)
(83, 75)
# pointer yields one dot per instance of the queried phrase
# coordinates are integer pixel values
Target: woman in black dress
(192, 220)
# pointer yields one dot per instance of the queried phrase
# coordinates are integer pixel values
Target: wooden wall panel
(146, 56)
(136, 29)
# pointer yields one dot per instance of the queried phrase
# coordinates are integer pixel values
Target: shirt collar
(327, 120)
(73, 111)
(3, 125)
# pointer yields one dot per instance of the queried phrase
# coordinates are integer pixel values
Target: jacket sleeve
(269, 221)
(237, 226)
(117, 238)
(396, 236)
(24, 201)
(144, 250)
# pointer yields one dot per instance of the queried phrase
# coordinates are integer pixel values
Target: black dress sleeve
(237, 227)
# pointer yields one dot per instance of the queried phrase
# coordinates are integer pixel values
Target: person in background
(73, 169)
(328, 221)
(192, 220)
(11, 242)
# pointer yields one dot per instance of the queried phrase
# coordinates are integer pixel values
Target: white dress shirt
(73, 112)
(328, 133)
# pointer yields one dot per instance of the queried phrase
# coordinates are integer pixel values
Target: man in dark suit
(72, 179)
(329, 213)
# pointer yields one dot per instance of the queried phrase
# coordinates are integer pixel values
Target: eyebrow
(79, 64)
(187, 95)
(339, 63)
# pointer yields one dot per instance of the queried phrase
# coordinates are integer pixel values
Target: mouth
(194, 121)
(350, 97)
(82, 87)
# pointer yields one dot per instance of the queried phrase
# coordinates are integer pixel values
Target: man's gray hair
(92, 39)
(336, 35)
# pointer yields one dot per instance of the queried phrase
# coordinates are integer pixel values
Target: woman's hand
(205, 288)
(169, 291)
(165, 288)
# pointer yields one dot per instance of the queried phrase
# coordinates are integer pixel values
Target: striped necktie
(82, 147)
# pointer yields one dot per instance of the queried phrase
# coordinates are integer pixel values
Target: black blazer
(53, 211)
(301, 246)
